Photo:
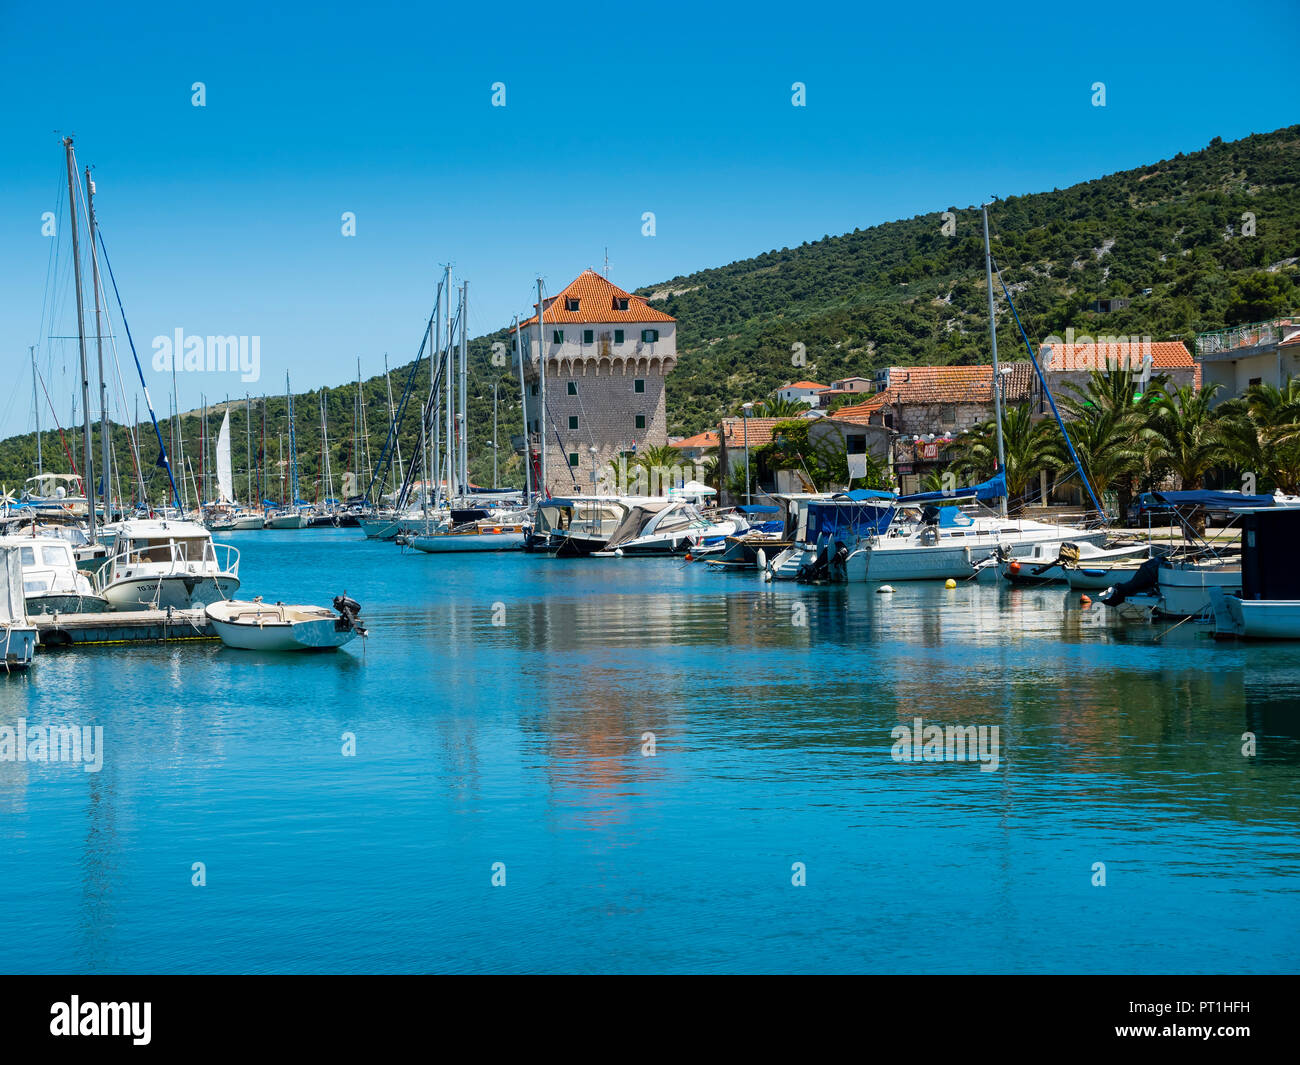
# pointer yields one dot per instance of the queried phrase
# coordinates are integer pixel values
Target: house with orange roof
(801, 392)
(1071, 362)
(606, 354)
(698, 447)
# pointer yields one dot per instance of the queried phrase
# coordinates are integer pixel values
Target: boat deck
(128, 626)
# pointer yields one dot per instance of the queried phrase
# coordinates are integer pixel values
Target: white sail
(225, 483)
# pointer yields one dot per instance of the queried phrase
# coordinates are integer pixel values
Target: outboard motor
(826, 566)
(1146, 578)
(349, 615)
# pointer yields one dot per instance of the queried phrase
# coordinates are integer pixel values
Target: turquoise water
(771, 707)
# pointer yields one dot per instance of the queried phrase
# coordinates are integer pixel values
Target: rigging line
(559, 443)
(148, 402)
(384, 466)
(55, 416)
(1047, 392)
(134, 447)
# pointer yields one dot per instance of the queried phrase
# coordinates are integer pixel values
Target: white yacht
(160, 564)
(52, 583)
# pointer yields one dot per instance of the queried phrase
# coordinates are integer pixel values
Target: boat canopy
(838, 517)
(758, 508)
(858, 495)
(13, 607)
(1206, 500)
(994, 488)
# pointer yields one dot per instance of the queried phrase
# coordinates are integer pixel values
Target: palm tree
(779, 407)
(1187, 441)
(1110, 430)
(1030, 446)
(1261, 431)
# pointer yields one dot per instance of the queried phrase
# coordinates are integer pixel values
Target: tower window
(573, 388)
(573, 458)
(573, 421)
(557, 336)
(649, 336)
(638, 385)
(618, 336)
(571, 304)
(620, 303)
(588, 336)
(640, 421)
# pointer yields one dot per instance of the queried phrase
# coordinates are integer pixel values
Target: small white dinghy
(259, 626)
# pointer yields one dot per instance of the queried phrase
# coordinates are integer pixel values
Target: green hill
(1168, 237)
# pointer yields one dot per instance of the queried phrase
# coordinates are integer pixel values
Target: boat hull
(65, 603)
(1262, 619)
(19, 644)
(262, 627)
(287, 521)
(180, 592)
(883, 562)
(458, 542)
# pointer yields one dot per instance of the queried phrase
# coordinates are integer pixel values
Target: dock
(128, 626)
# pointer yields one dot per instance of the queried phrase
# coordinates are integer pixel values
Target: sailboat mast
(435, 371)
(450, 403)
(993, 340)
(495, 484)
(36, 407)
(87, 456)
(462, 421)
(541, 365)
(104, 441)
(523, 407)
(392, 420)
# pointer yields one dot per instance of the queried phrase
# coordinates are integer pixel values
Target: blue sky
(226, 219)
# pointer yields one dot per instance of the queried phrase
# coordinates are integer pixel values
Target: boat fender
(885, 588)
(1014, 567)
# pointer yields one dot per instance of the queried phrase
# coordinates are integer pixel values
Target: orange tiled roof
(596, 297)
(801, 384)
(708, 438)
(944, 384)
(759, 430)
(1165, 355)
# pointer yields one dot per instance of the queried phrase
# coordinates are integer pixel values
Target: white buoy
(618, 552)
(885, 588)
(762, 559)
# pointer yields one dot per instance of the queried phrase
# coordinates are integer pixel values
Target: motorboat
(288, 518)
(156, 564)
(1054, 563)
(577, 526)
(671, 527)
(18, 636)
(253, 625)
(478, 534)
(52, 583)
(245, 521)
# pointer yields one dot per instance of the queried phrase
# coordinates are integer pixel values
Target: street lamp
(747, 407)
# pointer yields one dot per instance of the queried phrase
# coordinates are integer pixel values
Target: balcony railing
(1242, 336)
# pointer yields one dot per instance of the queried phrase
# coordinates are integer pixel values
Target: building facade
(1259, 353)
(607, 354)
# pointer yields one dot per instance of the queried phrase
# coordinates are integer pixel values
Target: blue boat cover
(757, 508)
(860, 494)
(994, 488)
(831, 519)
(1206, 499)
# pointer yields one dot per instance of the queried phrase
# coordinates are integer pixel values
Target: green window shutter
(573, 458)
(618, 336)
(638, 385)
(588, 336)
(557, 337)
(640, 421)
(573, 421)
(573, 388)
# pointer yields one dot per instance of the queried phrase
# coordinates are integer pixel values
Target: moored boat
(159, 564)
(253, 625)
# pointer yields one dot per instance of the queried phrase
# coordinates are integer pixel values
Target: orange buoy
(1085, 601)
(688, 557)
(1014, 567)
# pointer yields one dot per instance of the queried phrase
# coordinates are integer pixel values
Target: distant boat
(1052, 563)
(258, 626)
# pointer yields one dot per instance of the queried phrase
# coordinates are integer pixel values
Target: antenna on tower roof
(607, 262)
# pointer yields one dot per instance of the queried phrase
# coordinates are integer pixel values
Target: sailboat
(290, 515)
